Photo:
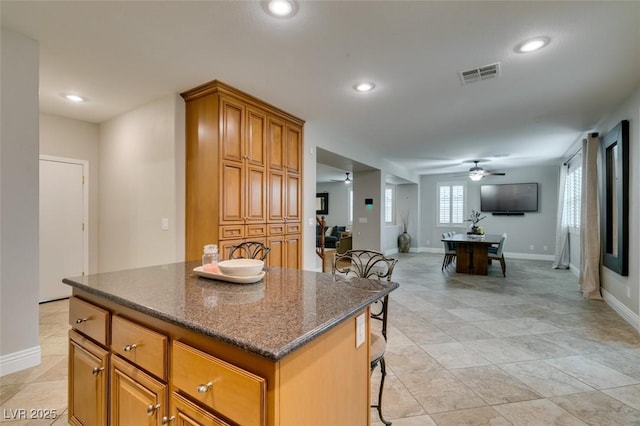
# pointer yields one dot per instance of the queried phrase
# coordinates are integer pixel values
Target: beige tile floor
(463, 350)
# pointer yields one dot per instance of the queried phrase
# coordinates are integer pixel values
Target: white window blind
(451, 204)
(572, 198)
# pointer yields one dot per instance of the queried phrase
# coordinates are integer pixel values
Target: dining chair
(249, 250)
(374, 265)
(450, 254)
(498, 254)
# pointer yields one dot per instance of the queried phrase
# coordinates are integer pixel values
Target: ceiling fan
(476, 172)
(347, 180)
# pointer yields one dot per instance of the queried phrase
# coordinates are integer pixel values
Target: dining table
(472, 251)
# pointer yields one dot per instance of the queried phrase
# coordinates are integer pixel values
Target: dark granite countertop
(271, 318)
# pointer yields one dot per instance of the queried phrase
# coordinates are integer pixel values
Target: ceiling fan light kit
(476, 172)
(346, 181)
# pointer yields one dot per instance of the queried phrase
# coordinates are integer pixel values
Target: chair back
(364, 264)
(448, 245)
(368, 264)
(249, 250)
(501, 245)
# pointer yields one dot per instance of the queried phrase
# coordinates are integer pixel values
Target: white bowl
(241, 267)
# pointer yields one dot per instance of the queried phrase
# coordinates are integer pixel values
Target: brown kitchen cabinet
(243, 167)
(136, 398)
(88, 379)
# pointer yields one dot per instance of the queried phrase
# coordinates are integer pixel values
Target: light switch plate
(361, 329)
(165, 224)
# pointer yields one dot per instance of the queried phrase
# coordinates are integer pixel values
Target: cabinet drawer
(89, 319)
(141, 346)
(232, 231)
(187, 413)
(293, 228)
(227, 389)
(276, 229)
(256, 230)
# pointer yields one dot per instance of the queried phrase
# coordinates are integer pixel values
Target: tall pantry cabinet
(243, 174)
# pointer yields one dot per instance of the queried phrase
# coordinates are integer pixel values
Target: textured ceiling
(124, 54)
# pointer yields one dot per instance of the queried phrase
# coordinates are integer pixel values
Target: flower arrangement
(405, 221)
(474, 218)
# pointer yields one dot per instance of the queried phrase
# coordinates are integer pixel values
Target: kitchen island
(160, 345)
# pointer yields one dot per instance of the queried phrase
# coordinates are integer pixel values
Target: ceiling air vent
(480, 73)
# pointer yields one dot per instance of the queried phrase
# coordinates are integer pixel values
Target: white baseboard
(430, 250)
(626, 313)
(529, 256)
(20, 360)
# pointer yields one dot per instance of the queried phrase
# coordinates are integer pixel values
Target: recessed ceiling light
(73, 98)
(365, 86)
(281, 8)
(532, 45)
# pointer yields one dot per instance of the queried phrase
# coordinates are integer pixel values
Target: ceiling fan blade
(494, 174)
(347, 180)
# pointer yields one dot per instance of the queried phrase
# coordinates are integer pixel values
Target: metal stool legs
(383, 371)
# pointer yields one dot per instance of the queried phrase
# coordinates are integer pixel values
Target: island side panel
(327, 381)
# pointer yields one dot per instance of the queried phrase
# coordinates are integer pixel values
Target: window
(572, 198)
(451, 200)
(388, 204)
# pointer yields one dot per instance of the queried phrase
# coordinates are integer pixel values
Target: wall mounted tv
(509, 198)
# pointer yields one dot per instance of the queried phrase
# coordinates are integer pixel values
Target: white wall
(65, 137)
(537, 229)
(368, 225)
(338, 202)
(614, 284)
(141, 181)
(19, 288)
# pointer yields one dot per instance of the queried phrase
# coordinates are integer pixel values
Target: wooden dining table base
(472, 259)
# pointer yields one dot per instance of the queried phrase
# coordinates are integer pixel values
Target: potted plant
(404, 239)
(474, 218)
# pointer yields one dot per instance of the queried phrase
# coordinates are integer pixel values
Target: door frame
(85, 202)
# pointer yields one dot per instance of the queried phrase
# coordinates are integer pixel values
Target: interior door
(62, 216)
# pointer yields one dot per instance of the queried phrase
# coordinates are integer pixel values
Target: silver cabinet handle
(167, 420)
(204, 388)
(129, 348)
(81, 320)
(151, 409)
(97, 370)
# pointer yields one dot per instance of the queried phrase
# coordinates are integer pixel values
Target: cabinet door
(232, 193)
(186, 413)
(276, 196)
(231, 131)
(292, 197)
(136, 398)
(292, 251)
(294, 149)
(88, 377)
(277, 254)
(276, 143)
(256, 145)
(256, 194)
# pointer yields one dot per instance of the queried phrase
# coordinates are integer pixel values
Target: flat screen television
(509, 198)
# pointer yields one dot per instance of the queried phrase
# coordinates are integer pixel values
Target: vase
(404, 242)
